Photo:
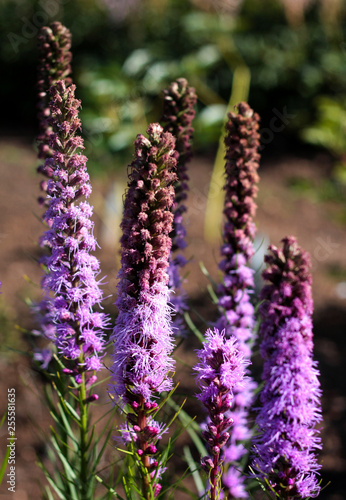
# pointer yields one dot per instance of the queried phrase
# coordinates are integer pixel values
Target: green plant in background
(240, 92)
(123, 58)
(329, 131)
(10, 337)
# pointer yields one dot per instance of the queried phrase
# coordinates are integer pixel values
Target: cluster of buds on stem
(54, 43)
(178, 114)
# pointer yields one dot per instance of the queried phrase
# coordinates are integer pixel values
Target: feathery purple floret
(220, 371)
(285, 448)
(143, 337)
(237, 312)
(178, 114)
(71, 270)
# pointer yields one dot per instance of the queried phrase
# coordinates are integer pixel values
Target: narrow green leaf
(127, 489)
(70, 473)
(194, 470)
(71, 410)
(3, 419)
(60, 440)
(4, 462)
(55, 488)
(193, 328)
(111, 410)
(192, 428)
(91, 438)
(100, 454)
(177, 485)
(59, 491)
(66, 424)
(206, 274)
(212, 294)
(49, 493)
(109, 488)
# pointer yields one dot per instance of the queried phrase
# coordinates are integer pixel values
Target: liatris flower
(143, 332)
(178, 113)
(71, 270)
(290, 400)
(237, 312)
(220, 371)
(54, 43)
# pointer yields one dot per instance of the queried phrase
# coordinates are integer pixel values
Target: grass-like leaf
(48, 493)
(207, 274)
(109, 488)
(193, 327)
(194, 470)
(52, 482)
(70, 473)
(192, 428)
(214, 297)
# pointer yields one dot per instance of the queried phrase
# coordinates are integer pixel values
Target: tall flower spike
(54, 43)
(220, 371)
(237, 313)
(290, 400)
(143, 339)
(178, 114)
(71, 270)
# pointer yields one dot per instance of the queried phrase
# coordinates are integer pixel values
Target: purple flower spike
(71, 270)
(178, 114)
(220, 371)
(237, 313)
(143, 338)
(54, 43)
(284, 450)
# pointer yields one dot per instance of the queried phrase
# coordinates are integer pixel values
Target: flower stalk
(70, 279)
(143, 337)
(220, 371)
(178, 114)
(287, 440)
(234, 293)
(54, 43)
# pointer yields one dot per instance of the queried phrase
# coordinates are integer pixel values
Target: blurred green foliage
(126, 52)
(10, 337)
(329, 131)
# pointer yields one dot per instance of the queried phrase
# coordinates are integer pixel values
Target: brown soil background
(281, 211)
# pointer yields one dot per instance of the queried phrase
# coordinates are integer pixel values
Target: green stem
(84, 480)
(142, 422)
(214, 477)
